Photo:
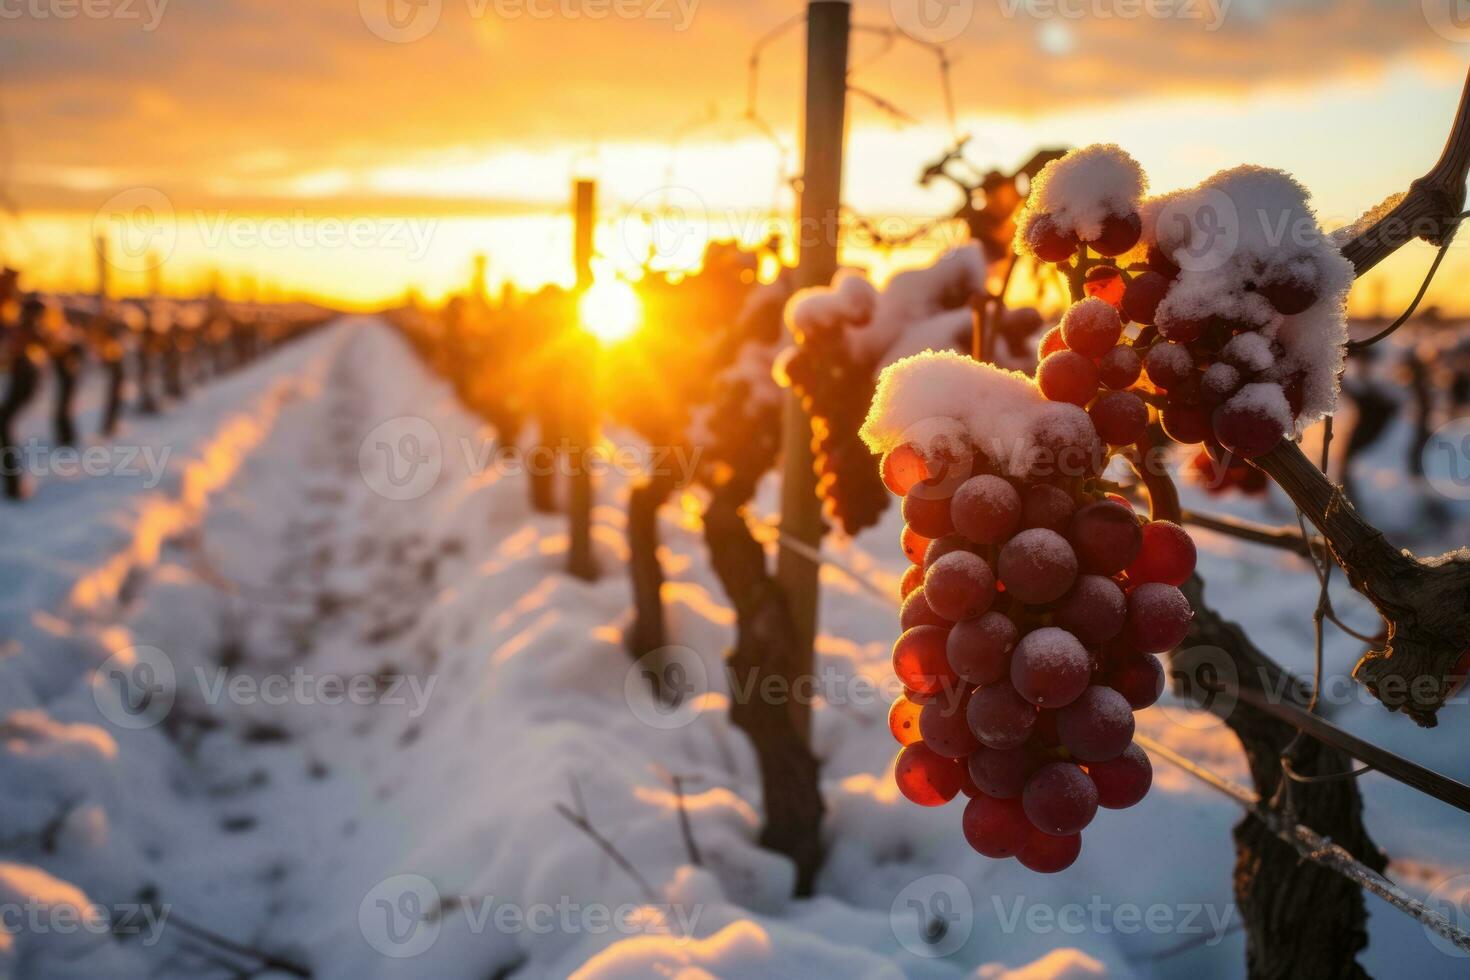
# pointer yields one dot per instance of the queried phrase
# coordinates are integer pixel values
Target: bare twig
(265, 959)
(1285, 538)
(685, 827)
(585, 826)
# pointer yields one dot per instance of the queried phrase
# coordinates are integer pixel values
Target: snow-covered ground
(318, 686)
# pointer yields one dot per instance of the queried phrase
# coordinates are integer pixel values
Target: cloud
(258, 91)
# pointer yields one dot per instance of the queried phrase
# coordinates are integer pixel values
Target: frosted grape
(925, 777)
(1060, 799)
(999, 717)
(1094, 610)
(1050, 667)
(1123, 781)
(1105, 536)
(1037, 566)
(1158, 617)
(1067, 376)
(979, 649)
(921, 663)
(996, 828)
(986, 509)
(1097, 726)
(1166, 554)
(959, 585)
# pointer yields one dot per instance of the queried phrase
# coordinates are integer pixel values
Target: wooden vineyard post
(828, 30)
(577, 405)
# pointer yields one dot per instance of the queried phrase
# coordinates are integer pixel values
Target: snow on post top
(1252, 255)
(1078, 193)
(945, 404)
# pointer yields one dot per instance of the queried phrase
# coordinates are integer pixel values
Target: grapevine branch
(1425, 602)
(1285, 538)
(1316, 848)
(1432, 206)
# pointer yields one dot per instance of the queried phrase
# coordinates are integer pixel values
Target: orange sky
(270, 127)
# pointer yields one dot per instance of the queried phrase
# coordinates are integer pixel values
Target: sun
(611, 311)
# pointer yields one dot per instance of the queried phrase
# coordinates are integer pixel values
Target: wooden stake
(578, 407)
(828, 29)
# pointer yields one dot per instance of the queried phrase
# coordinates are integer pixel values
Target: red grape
(979, 649)
(1120, 367)
(1060, 799)
(1051, 342)
(1106, 537)
(1046, 854)
(916, 611)
(903, 467)
(1168, 364)
(1139, 678)
(1161, 263)
(986, 509)
(1166, 554)
(1037, 566)
(925, 777)
(1120, 417)
(1245, 431)
(913, 577)
(1093, 611)
(1158, 617)
(1181, 329)
(1050, 667)
(945, 728)
(1143, 296)
(1091, 328)
(914, 545)
(1002, 773)
(1067, 376)
(1219, 383)
(959, 585)
(1123, 781)
(1050, 243)
(920, 661)
(1119, 234)
(1097, 726)
(940, 547)
(927, 515)
(903, 720)
(999, 717)
(996, 828)
(1046, 506)
(1292, 290)
(1104, 283)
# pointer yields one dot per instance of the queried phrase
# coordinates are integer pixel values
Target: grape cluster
(1032, 616)
(835, 389)
(1217, 381)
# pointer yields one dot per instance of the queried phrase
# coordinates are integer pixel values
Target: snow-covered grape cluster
(1237, 294)
(843, 335)
(1032, 613)
(738, 429)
